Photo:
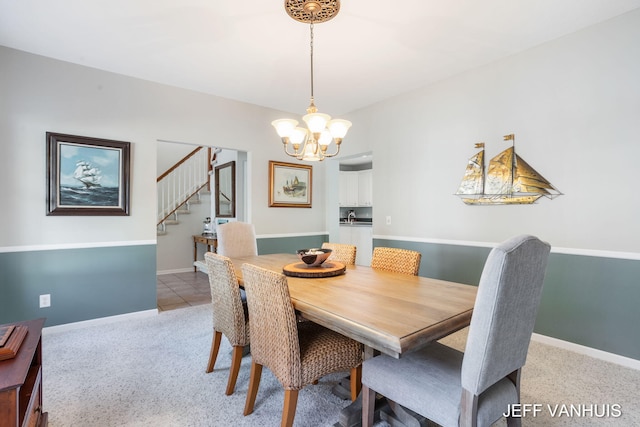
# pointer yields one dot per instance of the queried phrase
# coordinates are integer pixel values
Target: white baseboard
(588, 351)
(178, 270)
(99, 321)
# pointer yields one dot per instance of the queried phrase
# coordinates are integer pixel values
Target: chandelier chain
(311, 49)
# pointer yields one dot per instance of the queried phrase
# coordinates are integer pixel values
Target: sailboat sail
(528, 180)
(509, 180)
(500, 173)
(473, 181)
(87, 174)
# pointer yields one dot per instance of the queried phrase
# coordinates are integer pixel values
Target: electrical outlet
(388, 220)
(45, 300)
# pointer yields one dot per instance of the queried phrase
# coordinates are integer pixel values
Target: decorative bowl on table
(314, 257)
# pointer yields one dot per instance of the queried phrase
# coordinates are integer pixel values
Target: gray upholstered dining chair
(229, 316)
(473, 388)
(341, 252)
(396, 260)
(297, 353)
(236, 239)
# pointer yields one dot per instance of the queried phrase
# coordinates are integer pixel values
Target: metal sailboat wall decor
(508, 181)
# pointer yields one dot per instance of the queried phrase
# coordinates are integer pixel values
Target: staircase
(181, 186)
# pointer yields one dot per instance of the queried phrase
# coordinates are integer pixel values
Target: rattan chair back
(228, 313)
(297, 353)
(396, 260)
(275, 337)
(229, 316)
(341, 252)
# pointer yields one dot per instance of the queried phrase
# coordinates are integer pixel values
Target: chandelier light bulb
(338, 127)
(297, 135)
(316, 122)
(325, 138)
(284, 127)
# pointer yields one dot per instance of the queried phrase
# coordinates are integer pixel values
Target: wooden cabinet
(362, 237)
(21, 382)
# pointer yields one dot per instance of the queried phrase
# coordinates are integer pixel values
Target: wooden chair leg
(368, 406)
(356, 382)
(289, 409)
(254, 383)
(236, 360)
(213, 354)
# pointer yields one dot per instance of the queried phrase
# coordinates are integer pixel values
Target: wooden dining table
(388, 312)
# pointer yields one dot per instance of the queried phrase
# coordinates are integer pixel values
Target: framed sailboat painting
(87, 176)
(289, 185)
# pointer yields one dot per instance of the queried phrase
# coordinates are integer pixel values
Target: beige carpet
(150, 372)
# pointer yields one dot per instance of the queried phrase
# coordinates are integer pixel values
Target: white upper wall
(41, 94)
(574, 106)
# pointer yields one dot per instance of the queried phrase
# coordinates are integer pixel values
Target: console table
(21, 381)
(210, 241)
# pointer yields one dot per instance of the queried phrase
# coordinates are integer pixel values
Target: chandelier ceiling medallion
(311, 144)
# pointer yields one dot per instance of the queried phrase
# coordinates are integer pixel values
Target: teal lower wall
(276, 245)
(591, 301)
(83, 283)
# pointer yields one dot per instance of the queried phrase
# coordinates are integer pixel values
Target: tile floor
(182, 290)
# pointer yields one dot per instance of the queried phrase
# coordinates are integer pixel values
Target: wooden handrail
(181, 162)
(174, 167)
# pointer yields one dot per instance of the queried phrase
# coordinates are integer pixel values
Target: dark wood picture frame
(87, 176)
(225, 183)
(290, 185)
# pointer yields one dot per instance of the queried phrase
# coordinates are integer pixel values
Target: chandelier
(311, 144)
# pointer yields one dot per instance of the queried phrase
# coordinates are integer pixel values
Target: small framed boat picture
(87, 176)
(289, 185)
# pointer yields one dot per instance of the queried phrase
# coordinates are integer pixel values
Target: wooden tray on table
(11, 339)
(326, 269)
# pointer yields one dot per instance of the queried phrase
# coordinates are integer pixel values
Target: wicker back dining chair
(229, 314)
(236, 239)
(297, 353)
(341, 252)
(474, 388)
(396, 260)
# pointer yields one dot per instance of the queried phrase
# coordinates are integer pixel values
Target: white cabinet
(365, 188)
(348, 189)
(356, 188)
(362, 237)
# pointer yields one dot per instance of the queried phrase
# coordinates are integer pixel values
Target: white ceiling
(253, 51)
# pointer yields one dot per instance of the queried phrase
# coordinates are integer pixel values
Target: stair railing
(182, 181)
